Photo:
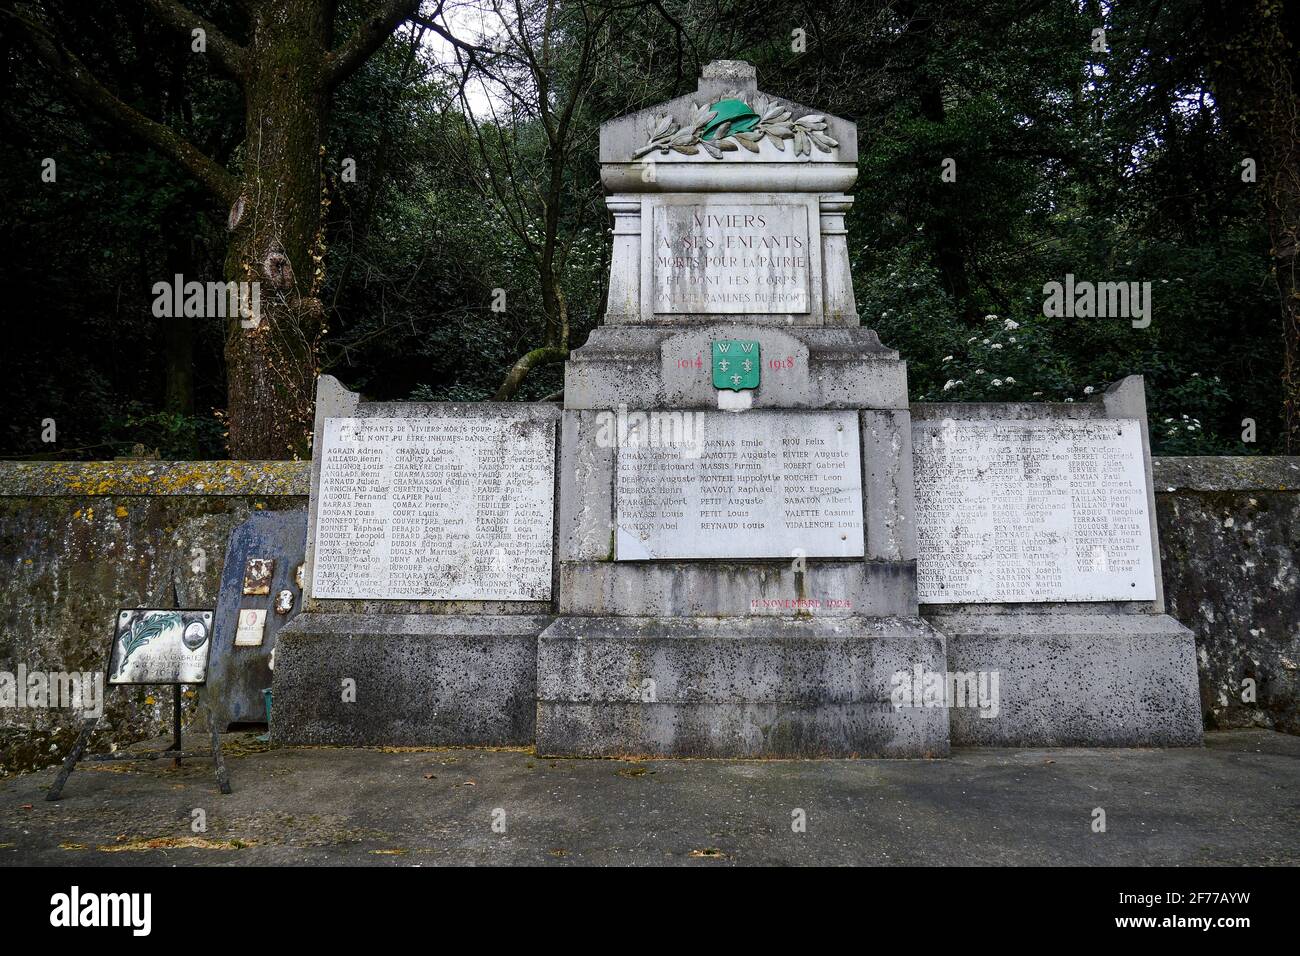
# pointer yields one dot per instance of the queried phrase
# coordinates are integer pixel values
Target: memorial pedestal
(421, 679)
(761, 610)
(428, 576)
(735, 687)
(1075, 679)
(1039, 561)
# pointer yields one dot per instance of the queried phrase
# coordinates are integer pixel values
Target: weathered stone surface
(1032, 510)
(734, 687)
(621, 137)
(757, 230)
(647, 367)
(711, 255)
(1232, 573)
(1072, 679)
(740, 729)
(420, 679)
(709, 589)
(1229, 531)
(335, 401)
(80, 541)
(1226, 473)
(888, 487)
(1080, 661)
(454, 504)
(97, 479)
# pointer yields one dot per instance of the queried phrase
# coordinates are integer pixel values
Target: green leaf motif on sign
(143, 629)
(735, 364)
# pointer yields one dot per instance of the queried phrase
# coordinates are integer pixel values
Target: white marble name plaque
(435, 508)
(724, 259)
(1031, 510)
(754, 484)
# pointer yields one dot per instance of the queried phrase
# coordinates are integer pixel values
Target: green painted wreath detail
(731, 124)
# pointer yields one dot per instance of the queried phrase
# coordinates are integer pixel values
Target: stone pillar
(624, 302)
(837, 281)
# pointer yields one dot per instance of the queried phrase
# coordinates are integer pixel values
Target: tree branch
(519, 371)
(228, 55)
(83, 85)
(432, 23)
(368, 37)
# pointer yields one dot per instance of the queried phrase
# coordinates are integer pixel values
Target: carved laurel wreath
(775, 125)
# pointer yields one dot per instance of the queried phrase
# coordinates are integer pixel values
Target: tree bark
(276, 233)
(526, 363)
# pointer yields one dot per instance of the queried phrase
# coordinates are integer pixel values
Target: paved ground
(1235, 801)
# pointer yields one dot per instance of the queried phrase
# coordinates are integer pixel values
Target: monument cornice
(677, 177)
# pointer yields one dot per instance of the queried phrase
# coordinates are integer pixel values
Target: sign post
(154, 646)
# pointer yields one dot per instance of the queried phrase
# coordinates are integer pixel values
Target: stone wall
(1230, 546)
(80, 540)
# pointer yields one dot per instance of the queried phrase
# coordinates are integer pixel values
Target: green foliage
(1110, 167)
(173, 435)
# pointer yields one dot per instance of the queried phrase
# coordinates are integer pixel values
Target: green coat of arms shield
(735, 364)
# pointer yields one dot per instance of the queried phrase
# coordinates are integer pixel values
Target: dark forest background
(1117, 165)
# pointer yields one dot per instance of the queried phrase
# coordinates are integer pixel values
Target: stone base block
(1086, 680)
(734, 687)
(421, 680)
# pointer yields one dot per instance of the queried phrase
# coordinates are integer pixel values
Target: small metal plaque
(252, 627)
(736, 364)
(257, 575)
(160, 646)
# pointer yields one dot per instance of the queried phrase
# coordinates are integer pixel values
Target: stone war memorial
(737, 537)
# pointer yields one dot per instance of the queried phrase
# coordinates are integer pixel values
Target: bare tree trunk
(271, 366)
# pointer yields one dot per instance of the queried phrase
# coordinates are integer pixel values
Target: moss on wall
(80, 540)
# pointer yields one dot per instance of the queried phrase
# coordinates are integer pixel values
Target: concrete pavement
(1234, 801)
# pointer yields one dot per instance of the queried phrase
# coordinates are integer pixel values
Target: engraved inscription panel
(753, 485)
(435, 508)
(1032, 510)
(730, 259)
